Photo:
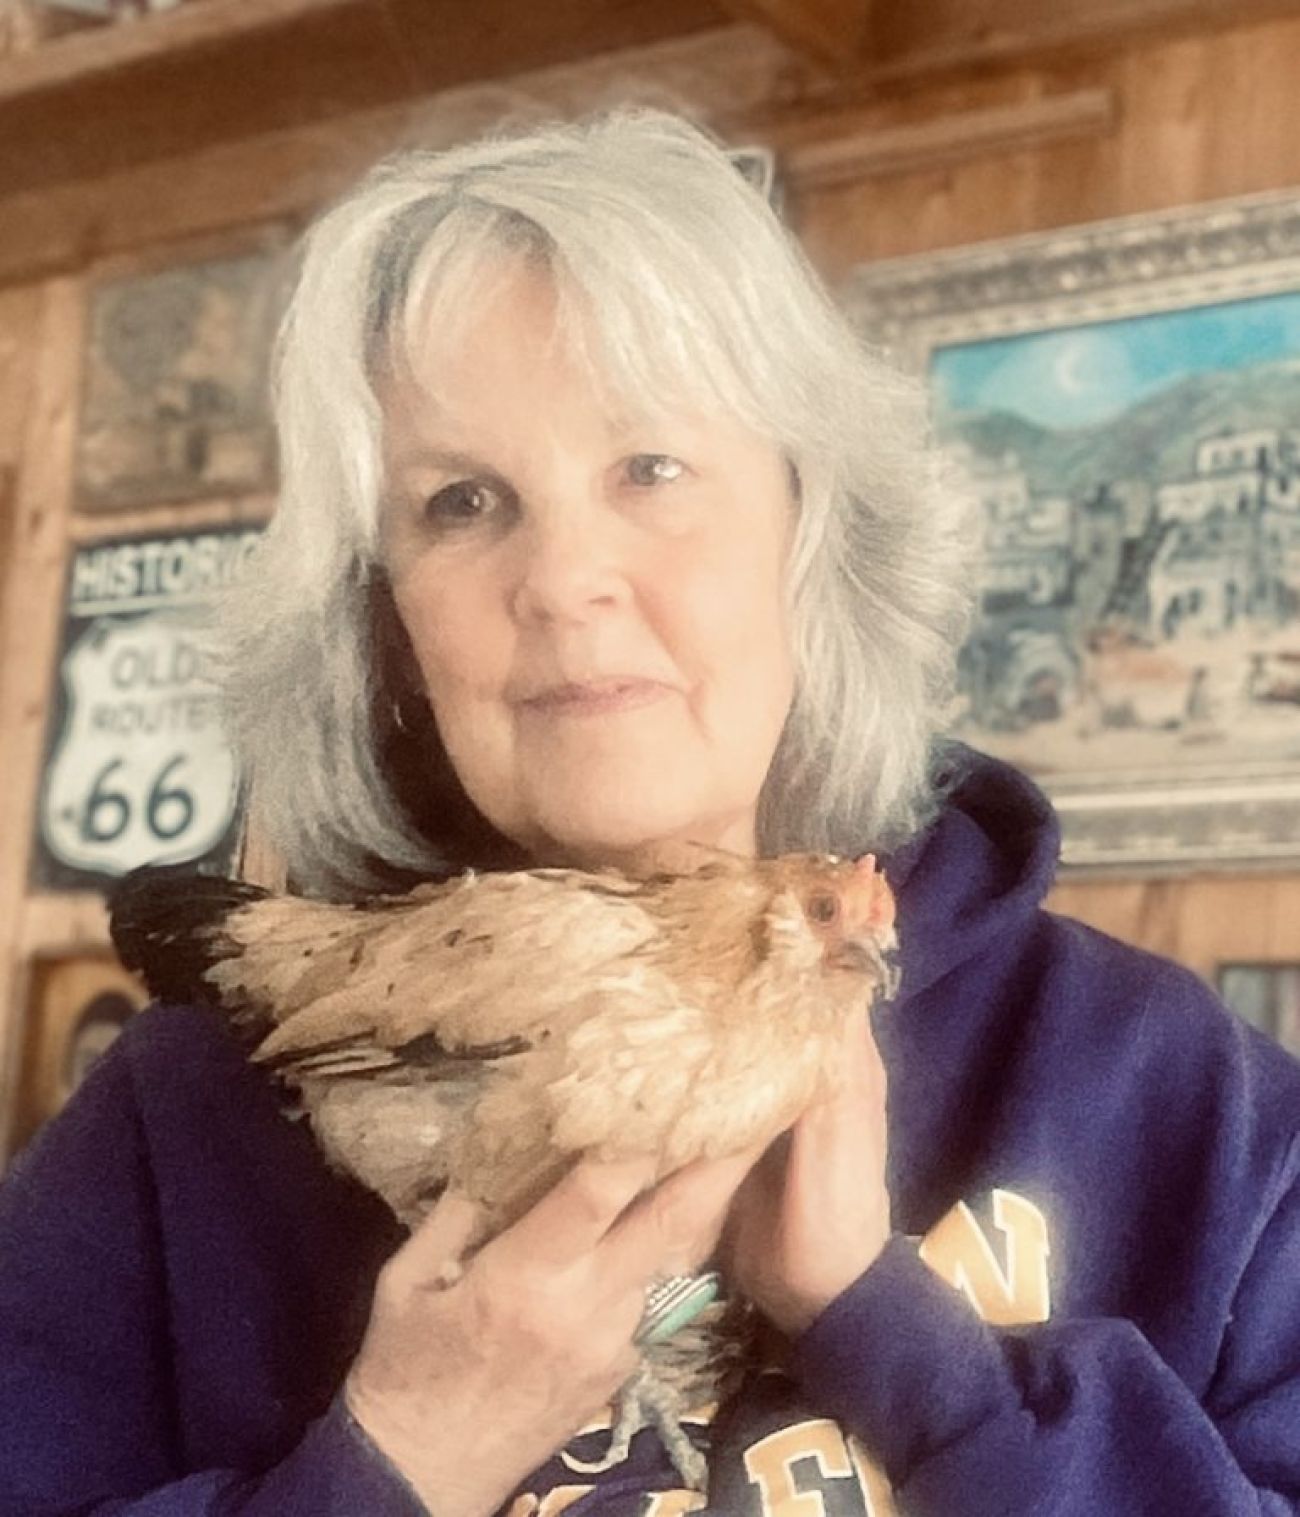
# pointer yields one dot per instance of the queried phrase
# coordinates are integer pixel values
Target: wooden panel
(834, 33)
(34, 579)
(230, 69)
(1202, 921)
(78, 1005)
(849, 149)
(913, 40)
(735, 75)
(1197, 120)
(19, 311)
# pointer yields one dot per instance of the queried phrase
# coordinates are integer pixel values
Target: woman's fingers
(575, 1215)
(432, 1254)
(675, 1227)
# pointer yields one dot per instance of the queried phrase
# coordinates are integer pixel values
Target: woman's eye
(468, 500)
(654, 469)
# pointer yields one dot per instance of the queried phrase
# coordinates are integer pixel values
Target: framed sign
(138, 769)
(1124, 402)
(174, 399)
(79, 1003)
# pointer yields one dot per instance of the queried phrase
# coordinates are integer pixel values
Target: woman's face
(597, 609)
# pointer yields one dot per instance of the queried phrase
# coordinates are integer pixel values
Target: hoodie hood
(976, 872)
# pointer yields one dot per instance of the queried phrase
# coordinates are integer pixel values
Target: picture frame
(1267, 995)
(1123, 400)
(174, 400)
(138, 764)
(78, 1003)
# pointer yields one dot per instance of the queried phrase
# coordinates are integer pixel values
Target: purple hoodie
(1091, 1303)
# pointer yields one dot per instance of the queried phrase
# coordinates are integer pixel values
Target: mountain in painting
(1155, 440)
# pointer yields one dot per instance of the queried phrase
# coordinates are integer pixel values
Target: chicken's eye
(822, 908)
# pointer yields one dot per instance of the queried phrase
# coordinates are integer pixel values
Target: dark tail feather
(166, 923)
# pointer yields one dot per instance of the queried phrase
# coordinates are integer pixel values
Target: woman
(599, 530)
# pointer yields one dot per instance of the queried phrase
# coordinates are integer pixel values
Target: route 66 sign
(138, 768)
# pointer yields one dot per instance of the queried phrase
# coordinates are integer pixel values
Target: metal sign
(138, 767)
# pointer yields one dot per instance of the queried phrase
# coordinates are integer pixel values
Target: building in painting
(1231, 544)
(1020, 666)
(1184, 557)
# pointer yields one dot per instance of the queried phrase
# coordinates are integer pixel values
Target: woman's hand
(814, 1213)
(467, 1387)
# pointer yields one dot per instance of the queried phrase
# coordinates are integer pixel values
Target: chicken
(489, 1029)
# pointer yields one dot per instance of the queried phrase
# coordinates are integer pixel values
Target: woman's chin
(618, 835)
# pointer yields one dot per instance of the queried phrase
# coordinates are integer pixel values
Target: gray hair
(674, 277)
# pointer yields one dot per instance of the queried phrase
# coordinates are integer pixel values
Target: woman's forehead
(507, 320)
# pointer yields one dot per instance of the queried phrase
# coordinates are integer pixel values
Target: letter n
(958, 1251)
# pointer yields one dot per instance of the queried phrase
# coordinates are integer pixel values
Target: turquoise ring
(674, 1301)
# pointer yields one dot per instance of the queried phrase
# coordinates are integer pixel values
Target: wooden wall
(1200, 118)
(985, 156)
(1196, 119)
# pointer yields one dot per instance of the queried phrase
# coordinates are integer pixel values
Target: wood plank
(63, 119)
(835, 34)
(20, 310)
(34, 577)
(226, 70)
(845, 150)
(732, 77)
(62, 922)
(455, 44)
(56, 1050)
(192, 516)
(947, 35)
(1203, 921)
(109, 49)
(1196, 121)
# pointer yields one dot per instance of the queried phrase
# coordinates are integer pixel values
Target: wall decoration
(174, 400)
(1124, 400)
(78, 1005)
(1267, 996)
(138, 769)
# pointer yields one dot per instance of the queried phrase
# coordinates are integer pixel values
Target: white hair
(673, 277)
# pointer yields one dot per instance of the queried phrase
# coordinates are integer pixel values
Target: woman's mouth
(598, 697)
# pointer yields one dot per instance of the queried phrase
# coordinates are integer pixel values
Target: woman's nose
(569, 566)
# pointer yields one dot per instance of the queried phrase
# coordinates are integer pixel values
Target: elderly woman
(598, 531)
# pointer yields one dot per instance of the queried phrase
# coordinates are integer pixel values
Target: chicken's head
(848, 907)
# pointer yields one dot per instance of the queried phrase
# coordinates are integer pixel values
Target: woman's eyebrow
(448, 460)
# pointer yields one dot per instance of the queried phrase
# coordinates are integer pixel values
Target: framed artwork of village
(1123, 400)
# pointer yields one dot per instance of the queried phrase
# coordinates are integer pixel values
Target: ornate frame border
(1132, 819)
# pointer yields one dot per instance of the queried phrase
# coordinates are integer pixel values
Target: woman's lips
(599, 699)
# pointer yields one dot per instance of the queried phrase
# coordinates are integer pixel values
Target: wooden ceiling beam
(912, 41)
(836, 35)
(171, 84)
(867, 44)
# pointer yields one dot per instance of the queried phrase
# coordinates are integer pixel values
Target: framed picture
(78, 1005)
(1123, 400)
(174, 393)
(1267, 996)
(138, 767)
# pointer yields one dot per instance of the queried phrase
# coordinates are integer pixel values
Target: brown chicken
(489, 1029)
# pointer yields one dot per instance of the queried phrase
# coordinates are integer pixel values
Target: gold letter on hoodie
(958, 1251)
